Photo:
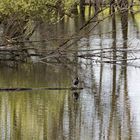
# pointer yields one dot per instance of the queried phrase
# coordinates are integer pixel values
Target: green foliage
(16, 15)
(35, 9)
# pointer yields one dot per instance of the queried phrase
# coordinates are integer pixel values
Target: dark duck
(76, 81)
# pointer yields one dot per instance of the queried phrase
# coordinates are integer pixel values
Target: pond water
(106, 109)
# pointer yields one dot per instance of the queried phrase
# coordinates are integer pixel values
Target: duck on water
(76, 81)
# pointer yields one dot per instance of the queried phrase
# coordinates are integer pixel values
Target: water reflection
(107, 107)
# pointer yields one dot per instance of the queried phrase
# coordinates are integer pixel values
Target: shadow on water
(107, 107)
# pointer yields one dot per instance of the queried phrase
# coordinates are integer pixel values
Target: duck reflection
(75, 95)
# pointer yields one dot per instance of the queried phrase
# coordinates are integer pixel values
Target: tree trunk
(131, 6)
(112, 6)
(74, 9)
(60, 7)
(82, 7)
(96, 6)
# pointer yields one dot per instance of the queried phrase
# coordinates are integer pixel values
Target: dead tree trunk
(90, 4)
(123, 8)
(60, 7)
(74, 9)
(96, 6)
(82, 7)
(112, 6)
(131, 6)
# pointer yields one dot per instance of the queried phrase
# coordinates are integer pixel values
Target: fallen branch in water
(43, 88)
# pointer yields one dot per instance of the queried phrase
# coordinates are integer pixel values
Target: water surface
(106, 109)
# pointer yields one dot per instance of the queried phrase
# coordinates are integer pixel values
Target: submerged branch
(43, 88)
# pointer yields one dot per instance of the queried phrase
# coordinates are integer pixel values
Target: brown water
(106, 109)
